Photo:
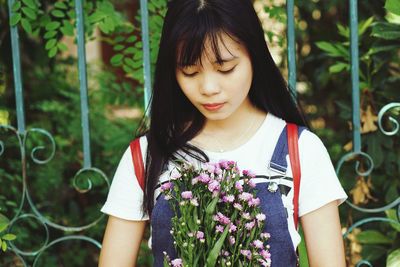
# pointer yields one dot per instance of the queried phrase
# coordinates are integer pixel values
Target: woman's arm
(322, 232)
(121, 242)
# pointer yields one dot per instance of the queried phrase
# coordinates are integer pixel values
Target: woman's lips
(213, 106)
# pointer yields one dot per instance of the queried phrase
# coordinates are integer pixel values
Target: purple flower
(258, 243)
(252, 183)
(177, 262)
(245, 196)
(214, 186)
(246, 252)
(232, 228)
(219, 228)
(265, 235)
(228, 198)
(222, 218)
(250, 225)
(223, 164)
(166, 186)
(254, 202)
(199, 235)
(204, 178)
(248, 173)
(265, 254)
(239, 186)
(187, 195)
(232, 240)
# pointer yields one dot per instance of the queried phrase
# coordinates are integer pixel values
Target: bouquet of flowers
(217, 217)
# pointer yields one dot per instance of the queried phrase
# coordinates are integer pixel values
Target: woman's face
(219, 91)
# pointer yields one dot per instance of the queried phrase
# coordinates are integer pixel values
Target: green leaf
(333, 50)
(393, 6)
(391, 214)
(110, 23)
(363, 26)
(116, 59)
(53, 25)
(50, 34)
(118, 47)
(16, 6)
(375, 150)
(61, 5)
(96, 16)
(384, 48)
(373, 237)
(30, 3)
(212, 257)
(338, 67)
(129, 50)
(30, 13)
(386, 30)
(15, 19)
(62, 47)
(50, 44)
(67, 29)
(71, 14)
(58, 13)
(373, 252)
(3, 226)
(393, 260)
(343, 31)
(52, 52)
(26, 25)
(4, 246)
(9, 237)
(104, 27)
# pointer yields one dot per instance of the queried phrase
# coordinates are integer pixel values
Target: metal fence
(29, 210)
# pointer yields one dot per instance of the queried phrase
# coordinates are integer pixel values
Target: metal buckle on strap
(277, 168)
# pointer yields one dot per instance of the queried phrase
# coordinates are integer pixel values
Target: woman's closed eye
(192, 74)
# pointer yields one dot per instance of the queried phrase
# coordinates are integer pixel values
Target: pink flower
(223, 219)
(239, 186)
(232, 240)
(166, 186)
(175, 175)
(228, 198)
(248, 173)
(238, 206)
(195, 180)
(199, 235)
(177, 262)
(250, 225)
(254, 202)
(232, 228)
(245, 196)
(204, 178)
(252, 183)
(265, 235)
(223, 164)
(187, 195)
(246, 252)
(265, 254)
(219, 228)
(246, 215)
(260, 217)
(214, 186)
(258, 243)
(209, 167)
(194, 202)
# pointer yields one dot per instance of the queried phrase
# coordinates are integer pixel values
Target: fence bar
(146, 53)
(19, 99)
(83, 83)
(355, 75)
(291, 45)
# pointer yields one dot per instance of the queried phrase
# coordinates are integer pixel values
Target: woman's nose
(210, 85)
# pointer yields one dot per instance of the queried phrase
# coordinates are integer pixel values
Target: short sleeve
(319, 183)
(125, 197)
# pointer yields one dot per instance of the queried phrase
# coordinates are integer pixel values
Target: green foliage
(5, 237)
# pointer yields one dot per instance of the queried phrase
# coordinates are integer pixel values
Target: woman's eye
(189, 74)
(227, 71)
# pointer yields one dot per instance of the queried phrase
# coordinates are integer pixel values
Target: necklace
(238, 140)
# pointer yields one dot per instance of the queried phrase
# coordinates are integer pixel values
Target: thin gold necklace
(238, 140)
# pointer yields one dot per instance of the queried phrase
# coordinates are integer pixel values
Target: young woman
(219, 95)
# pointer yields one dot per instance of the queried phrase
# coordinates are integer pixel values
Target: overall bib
(282, 251)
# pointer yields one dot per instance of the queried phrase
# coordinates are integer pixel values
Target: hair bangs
(203, 37)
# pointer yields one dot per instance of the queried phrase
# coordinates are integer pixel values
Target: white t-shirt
(319, 184)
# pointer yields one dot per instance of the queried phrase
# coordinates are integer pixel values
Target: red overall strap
(138, 161)
(292, 131)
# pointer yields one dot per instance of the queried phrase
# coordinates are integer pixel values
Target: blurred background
(50, 196)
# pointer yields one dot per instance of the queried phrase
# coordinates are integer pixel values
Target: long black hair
(173, 119)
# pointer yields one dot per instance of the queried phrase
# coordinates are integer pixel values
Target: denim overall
(282, 252)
